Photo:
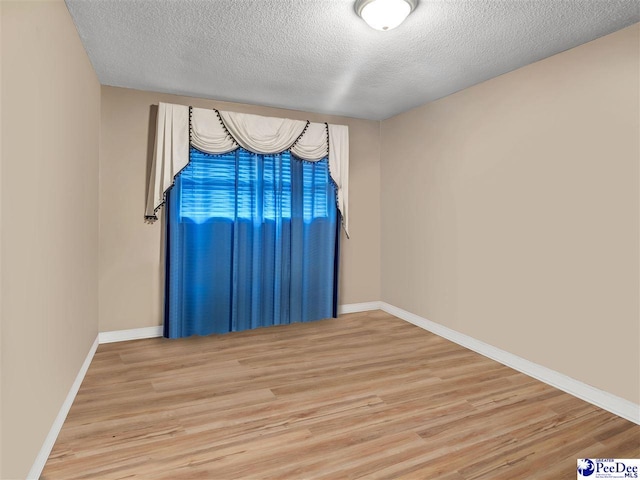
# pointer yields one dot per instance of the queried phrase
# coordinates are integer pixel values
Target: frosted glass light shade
(384, 14)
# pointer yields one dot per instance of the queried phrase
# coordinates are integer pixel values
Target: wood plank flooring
(364, 396)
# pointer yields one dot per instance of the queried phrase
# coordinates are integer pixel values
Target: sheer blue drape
(252, 241)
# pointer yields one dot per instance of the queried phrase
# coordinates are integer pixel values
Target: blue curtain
(252, 240)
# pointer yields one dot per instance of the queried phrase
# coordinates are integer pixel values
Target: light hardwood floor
(364, 396)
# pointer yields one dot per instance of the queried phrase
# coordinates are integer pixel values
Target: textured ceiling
(319, 56)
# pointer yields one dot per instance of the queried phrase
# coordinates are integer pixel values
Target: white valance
(218, 132)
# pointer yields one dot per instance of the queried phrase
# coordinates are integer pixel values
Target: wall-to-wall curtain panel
(254, 208)
(251, 242)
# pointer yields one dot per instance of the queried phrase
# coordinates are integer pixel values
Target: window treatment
(216, 132)
(252, 241)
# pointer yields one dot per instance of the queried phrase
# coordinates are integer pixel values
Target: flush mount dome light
(384, 14)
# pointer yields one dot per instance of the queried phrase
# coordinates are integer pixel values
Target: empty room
(319, 239)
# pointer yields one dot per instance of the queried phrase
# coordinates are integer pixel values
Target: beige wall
(510, 212)
(130, 250)
(49, 241)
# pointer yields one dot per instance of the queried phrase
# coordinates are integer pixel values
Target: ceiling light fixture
(384, 14)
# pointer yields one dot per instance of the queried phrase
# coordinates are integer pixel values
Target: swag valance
(217, 132)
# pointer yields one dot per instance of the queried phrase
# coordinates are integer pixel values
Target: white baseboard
(50, 440)
(359, 307)
(132, 334)
(152, 332)
(612, 403)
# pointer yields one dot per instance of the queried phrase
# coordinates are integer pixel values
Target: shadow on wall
(151, 140)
